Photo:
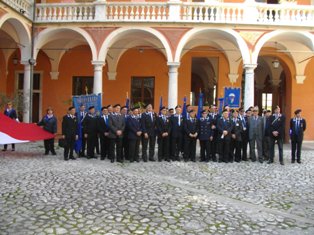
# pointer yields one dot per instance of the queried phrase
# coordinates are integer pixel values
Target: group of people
(222, 137)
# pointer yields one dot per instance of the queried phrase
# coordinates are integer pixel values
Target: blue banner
(184, 107)
(87, 101)
(221, 105)
(200, 106)
(232, 97)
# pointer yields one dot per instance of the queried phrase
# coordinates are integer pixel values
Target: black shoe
(4, 150)
(292, 161)
(281, 163)
(152, 159)
(102, 159)
(261, 161)
(112, 160)
(299, 161)
(66, 159)
(72, 158)
(46, 153)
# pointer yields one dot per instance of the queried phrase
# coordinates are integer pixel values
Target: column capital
(300, 79)
(233, 77)
(174, 64)
(98, 63)
(275, 82)
(111, 75)
(54, 75)
(249, 66)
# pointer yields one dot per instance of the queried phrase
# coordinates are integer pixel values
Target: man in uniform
(176, 134)
(205, 135)
(190, 136)
(245, 133)
(277, 128)
(297, 128)
(116, 128)
(69, 128)
(80, 117)
(11, 113)
(236, 141)
(225, 127)
(134, 135)
(125, 141)
(163, 130)
(103, 129)
(213, 144)
(148, 122)
(267, 135)
(90, 132)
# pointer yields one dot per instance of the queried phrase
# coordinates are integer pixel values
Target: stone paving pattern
(46, 195)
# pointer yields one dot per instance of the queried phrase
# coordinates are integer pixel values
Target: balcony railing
(22, 6)
(171, 11)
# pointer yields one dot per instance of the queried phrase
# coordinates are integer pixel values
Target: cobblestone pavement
(46, 195)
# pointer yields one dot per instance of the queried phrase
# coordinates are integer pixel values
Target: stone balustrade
(171, 11)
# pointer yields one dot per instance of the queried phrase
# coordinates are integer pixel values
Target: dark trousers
(69, 146)
(82, 152)
(115, 149)
(91, 144)
(213, 148)
(133, 149)
(176, 148)
(266, 147)
(97, 144)
(235, 150)
(205, 150)
(245, 141)
(224, 150)
(6, 146)
(104, 146)
(280, 148)
(163, 148)
(296, 146)
(189, 148)
(151, 140)
(49, 145)
(125, 144)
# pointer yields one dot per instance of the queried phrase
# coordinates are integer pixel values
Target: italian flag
(12, 132)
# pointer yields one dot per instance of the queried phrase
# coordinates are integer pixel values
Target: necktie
(297, 126)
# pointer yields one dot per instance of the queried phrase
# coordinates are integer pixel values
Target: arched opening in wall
(204, 79)
(270, 86)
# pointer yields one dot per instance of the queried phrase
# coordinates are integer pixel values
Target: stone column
(249, 85)
(97, 76)
(26, 90)
(173, 84)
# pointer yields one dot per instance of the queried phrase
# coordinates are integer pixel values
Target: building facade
(151, 49)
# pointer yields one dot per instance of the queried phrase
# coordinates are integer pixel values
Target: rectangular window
(267, 100)
(142, 90)
(82, 85)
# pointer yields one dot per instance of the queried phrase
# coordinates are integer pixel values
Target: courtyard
(46, 195)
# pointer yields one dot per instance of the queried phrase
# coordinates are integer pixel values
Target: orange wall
(133, 63)
(303, 98)
(3, 84)
(185, 72)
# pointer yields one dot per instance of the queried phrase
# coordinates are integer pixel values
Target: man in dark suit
(80, 117)
(277, 128)
(69, 128)
(176, 135)
(224, 126)
(245, 133)
(103, 130)
(205, 135)
(116, 128)
(163, 130)
(213, 144)
(11, 113)
(190, 136)
(125, 140)
(148, 122)
(236, 141)
(134, 135)
(256, 135)
(91, 131)
(266, 135)
(297, 128)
